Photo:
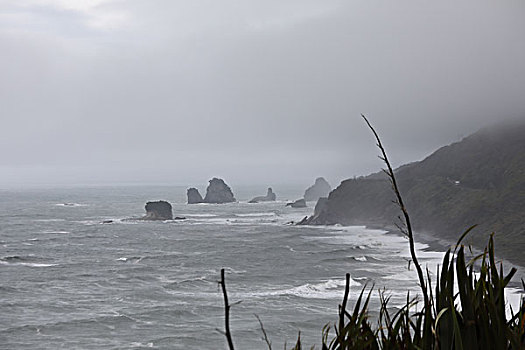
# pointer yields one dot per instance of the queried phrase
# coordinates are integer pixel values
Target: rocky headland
(270, 196)
(477, 181)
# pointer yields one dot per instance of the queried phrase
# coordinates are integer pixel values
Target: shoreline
(439, 244)
(433, 243)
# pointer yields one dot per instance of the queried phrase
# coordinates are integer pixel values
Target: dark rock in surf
(160, 210)
(303, 221)
(194, 196)
(300, 203)
(218, 192)
(321, 210)
(321, 188)
(270, 196)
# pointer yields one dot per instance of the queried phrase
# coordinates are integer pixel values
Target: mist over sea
(68, 280)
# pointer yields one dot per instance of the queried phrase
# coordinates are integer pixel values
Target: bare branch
(401, 204)
(268, 342)
(227, 333)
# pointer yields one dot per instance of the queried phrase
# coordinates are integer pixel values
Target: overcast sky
(263, 92)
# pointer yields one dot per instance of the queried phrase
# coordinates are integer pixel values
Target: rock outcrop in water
(270, 196)
(218, 192)
(321, 188)
(160, 210)
(300, 203)
(194, 197)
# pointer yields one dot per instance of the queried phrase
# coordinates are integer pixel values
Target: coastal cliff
(479, 180)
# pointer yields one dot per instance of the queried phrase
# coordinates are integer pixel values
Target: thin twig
(268, 342)
(227, 333)
(390, 173)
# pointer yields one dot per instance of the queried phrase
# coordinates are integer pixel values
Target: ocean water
(70, 281)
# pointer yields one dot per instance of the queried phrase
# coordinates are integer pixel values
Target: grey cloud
(260, 91)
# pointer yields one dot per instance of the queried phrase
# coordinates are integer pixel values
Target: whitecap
(360, 258)
(26, 264)
(89, 222)
(200, 215)
(232, 270)
(131, 259)
(70, 205)
(255, 214)
(209, 221)
(330, 289)
(141, 345)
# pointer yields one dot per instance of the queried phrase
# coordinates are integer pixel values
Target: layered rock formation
(160, 210)
(270, 196)
(321, 188)
(218, 192)
(194, 196)
(300, 203)
(479, 180)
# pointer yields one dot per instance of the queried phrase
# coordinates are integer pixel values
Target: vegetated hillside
(479, 180)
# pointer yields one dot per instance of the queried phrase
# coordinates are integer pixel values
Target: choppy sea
(70, 281)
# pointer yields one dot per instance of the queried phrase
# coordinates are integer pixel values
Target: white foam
(71, 205)
(141, 345)
(255, 214)
(360, 258)
(330, 289)
(209, 221)
(132, 259)
(89, 222)
(513, 298)
(55, 232)
(232, 270)
(200, 215)
(26, 264)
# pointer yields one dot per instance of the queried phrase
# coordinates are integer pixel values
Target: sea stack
(270, 196)
(321, 188)
(160, 210)
(194, 196)
(218, 192)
